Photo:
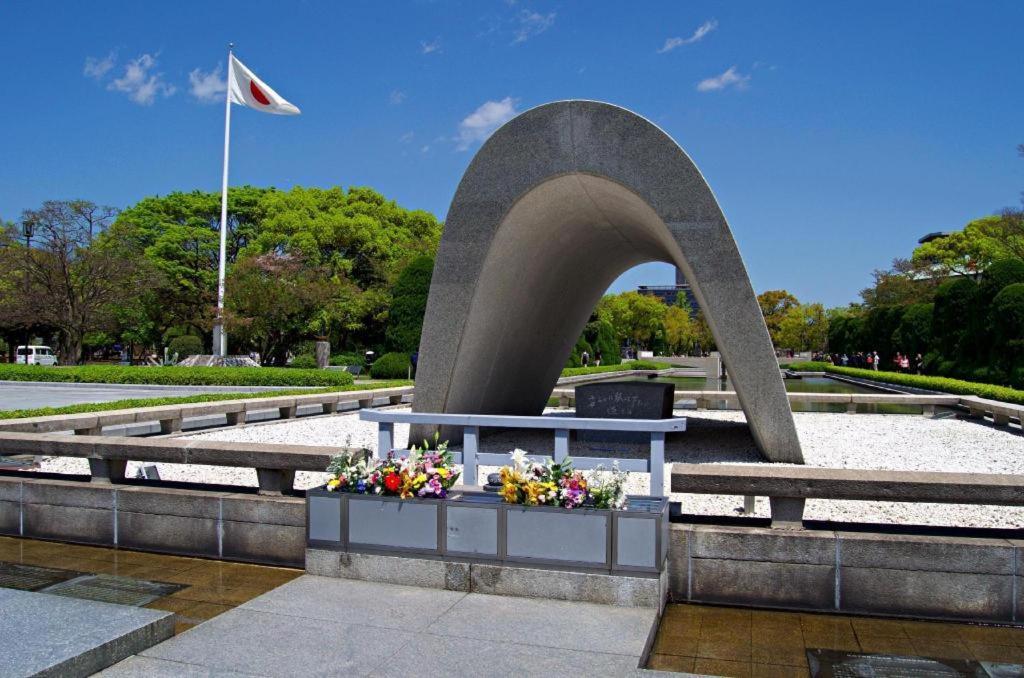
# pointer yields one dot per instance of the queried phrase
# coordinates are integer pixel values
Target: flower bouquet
(558, 484)
(423, 473)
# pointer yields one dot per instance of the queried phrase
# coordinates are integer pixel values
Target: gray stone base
(45, 635)
(906, 575)
(494, 579)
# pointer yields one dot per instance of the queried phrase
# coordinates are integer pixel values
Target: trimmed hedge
(391, 366)
(182, 400)
(177, 376)
(628, 365)
(945, 384)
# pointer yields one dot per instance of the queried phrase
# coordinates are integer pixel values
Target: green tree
(636, 317)
(681, 333)
(804, 328)
(77, 278)
(775, 304)
(906, 282)
(955, 303)
(275, 299)
(845, 330)
(979, 244)
(408, 305)
(914, 333)
(1007, 322)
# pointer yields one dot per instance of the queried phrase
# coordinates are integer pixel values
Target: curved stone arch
(554, 207)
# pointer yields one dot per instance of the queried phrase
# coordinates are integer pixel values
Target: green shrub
(806, 366)
(348, 359)
(178, 376)
(304, 361)
(628, 365)
(927, 382)
(391, 366)
(185, 345)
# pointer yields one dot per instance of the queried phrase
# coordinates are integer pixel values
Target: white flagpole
(220, 337)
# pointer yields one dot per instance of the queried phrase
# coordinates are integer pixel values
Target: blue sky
(833, 134)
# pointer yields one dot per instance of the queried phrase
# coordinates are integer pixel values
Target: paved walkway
(19, 395)
(323, 626)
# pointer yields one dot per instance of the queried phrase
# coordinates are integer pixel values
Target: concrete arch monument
(554, 207)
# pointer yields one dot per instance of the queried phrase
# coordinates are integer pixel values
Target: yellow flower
(420, 479)
(510, 493)
(443, 472)
(333, 483)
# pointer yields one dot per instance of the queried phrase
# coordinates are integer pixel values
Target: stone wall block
(168, 533)
(745, 582)
(69, 523)
(927, 553)
(811, 547)
(273, 544)
(956, 595)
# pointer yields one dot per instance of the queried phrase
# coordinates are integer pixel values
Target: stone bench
(170, 417)
(108, 456)
(788, 487)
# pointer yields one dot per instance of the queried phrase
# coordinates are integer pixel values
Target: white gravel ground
(865, 441)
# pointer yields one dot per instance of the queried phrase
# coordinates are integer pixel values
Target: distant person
(905, 364)
(845, 360)
(414, 359)
(876, 358)
(870, 360)
(919, 364)
(597, 358)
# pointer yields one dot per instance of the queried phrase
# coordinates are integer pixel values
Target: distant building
(932, 236)
(668, 293)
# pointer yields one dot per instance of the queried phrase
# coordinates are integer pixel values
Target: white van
(35, 355)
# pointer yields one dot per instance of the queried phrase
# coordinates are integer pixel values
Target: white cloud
(396, 97)
(698, 35)
(482, 122)
(731, 78)
(139, 82)
(424, 149)
(407, 137)
(208, 87)
(532, 24)
(430, 47)
(97, 68)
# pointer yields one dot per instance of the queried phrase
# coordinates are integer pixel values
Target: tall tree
(274, 302)
(774, 306)
(78, 281)
(804, 328)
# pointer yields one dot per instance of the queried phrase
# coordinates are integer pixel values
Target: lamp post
(27, 228)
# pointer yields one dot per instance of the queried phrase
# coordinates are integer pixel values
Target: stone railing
(170, 417)
(470, 456)
(1000, 412)
(788, 487)
(108, 456)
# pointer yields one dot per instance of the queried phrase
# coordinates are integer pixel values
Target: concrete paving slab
(163, 668)
(327, 626)
(430, 655)
(272, 644)
(548, 623)
(54, 635)
(408, 607)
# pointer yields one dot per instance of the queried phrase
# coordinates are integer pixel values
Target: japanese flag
(246, 89)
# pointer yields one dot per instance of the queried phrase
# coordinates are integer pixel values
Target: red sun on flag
(258, 94)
